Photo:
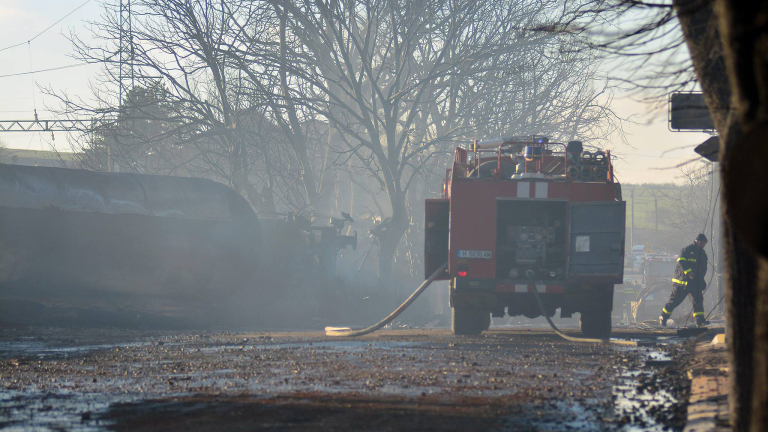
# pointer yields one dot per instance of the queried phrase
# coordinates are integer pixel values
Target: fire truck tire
(596, 323)
(469, 321)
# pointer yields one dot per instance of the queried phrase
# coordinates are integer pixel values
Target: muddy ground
(405, 380)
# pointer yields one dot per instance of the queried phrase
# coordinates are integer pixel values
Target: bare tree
(643, 44)
(400, 82)
(283, 94)
(178, 45)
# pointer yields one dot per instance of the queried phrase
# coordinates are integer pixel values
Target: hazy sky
(21, 20)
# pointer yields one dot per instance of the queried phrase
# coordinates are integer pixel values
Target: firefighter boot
(701, 321)
(663, 318)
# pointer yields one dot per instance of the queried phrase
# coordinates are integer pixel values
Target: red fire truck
(524, 214)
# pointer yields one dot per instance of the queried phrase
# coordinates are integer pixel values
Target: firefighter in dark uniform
(689, 280)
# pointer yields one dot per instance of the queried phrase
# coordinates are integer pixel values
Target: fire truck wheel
(596, 323)
(469, 321)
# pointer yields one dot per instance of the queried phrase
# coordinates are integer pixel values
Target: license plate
(474, 254)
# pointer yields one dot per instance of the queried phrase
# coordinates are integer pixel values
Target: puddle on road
(575, 416)
(45, 351)
(635, 406)
(351, 346)
(51, 411)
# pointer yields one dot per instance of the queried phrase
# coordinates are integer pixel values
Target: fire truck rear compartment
(531, 241)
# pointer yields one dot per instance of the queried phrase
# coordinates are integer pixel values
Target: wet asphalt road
(404, 380)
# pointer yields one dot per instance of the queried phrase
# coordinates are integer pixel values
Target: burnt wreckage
(169, 246)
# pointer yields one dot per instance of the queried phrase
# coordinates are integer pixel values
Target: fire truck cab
(524, 214)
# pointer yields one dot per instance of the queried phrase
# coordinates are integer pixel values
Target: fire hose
(572, 338)
(350, 332)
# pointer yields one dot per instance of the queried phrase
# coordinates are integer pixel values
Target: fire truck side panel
(435, 235)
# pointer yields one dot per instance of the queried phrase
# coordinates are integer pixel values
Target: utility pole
(125, 74)
(126, 50)
(632, 232)
(656, 217)
(717, 235)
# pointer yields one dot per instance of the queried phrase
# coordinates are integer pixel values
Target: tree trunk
(743, 154)
(389, 238)
(728, 43)
(387, 248)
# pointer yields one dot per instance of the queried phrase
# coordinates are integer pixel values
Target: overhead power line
(47, 28)
(44, 70)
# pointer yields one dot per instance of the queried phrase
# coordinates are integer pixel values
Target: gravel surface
(404, 380)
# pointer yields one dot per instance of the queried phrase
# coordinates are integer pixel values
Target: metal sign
(710, 149)
(688, 111)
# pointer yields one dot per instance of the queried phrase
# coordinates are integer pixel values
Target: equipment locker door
(435, 235)
(596, 242)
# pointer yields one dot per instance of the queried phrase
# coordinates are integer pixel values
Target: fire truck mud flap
(473, 293)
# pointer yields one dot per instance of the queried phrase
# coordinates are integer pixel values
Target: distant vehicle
(634, 260)
(658, 271)
(634, 263)
(532, 215)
